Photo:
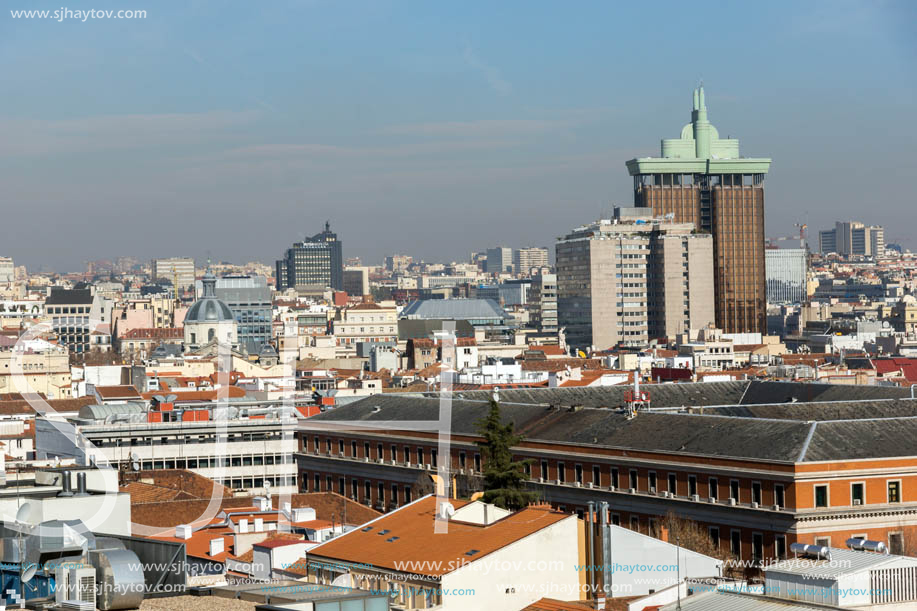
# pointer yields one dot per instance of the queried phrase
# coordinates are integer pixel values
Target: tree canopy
(504, 480)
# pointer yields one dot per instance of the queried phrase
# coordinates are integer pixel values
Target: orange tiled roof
(413, 527)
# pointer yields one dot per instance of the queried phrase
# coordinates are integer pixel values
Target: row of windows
(405, 454)
(211, 462)
(689, 486)
(858, 493)
(362, 492)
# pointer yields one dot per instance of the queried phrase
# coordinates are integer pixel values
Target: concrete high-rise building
(314, 262)
(786, 275)
(701, 179)
(827, 241)
(631, 279)
(7, 270)
(542, 297)
(524, 259)
(852, 238)
(499, 260)
(174, 268)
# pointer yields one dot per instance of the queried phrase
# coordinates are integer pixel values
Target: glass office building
(786, 275)
(249, 299)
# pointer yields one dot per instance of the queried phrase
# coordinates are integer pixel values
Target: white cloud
(491, 73)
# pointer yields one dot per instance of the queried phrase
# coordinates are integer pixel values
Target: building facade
(356, 281)
(314, 262)
(209, 320)
(249, 299)
(366, 322)
(757, 477)
(73, 315)
(543, 303)
(7, 270)
(632, 278)
(499, 260)
(850, 238)
(786, 275)
(701, 179)
(180, 268)
(525, 259)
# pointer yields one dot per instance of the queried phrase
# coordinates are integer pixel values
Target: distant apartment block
(853, 238)
(356, 281)
(542, 299)
(786, 275)
(499, 260)
(7, 270)
(72, 314)
(632, 278)
(525, 259)
(180, 268)
(314, 262)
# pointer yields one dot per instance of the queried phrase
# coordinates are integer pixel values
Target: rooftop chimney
(216, 546)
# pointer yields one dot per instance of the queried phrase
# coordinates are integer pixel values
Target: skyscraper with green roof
(700, 178)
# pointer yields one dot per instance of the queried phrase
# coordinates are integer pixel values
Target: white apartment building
(243, 448)
(366, 322)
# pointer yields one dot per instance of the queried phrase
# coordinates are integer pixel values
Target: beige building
(524, 259)
(633, 278)
(366, 322)
(44, 367)
(174, 268)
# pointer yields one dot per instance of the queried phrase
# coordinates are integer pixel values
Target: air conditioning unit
(695, 497)
(857, 501)
(590, 485)
(394, 462)
(578, 484)
(652, 489)
(380, 460)
(540, 480)
(611, 488)
(557, 482)
(632, 490)
(366, 459)
(754, 505)
(75, 586)
(732, 501)
(341, 454)
(427, 467)
(776, 507)
(712, 499)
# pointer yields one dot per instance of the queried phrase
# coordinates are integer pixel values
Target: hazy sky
(430, 128)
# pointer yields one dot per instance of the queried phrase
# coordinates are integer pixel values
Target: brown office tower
(701, 179)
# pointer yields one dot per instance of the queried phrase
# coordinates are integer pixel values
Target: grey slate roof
(69, 297)
(786, 432)
(736, 601)
(662, 395)
(836, 410)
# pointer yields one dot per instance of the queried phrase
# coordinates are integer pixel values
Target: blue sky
(231, 129)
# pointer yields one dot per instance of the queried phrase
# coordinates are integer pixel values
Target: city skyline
(321, 124)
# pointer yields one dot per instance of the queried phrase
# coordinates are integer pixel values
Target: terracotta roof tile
(412, 527)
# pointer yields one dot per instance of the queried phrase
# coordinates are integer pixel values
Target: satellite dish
(135, 456)
(24, 513)
(30, 572)
(159, 398)
(171, 398)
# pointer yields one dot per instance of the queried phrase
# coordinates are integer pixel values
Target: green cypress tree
(504, 481)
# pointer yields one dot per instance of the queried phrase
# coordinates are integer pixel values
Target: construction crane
(772, 242)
